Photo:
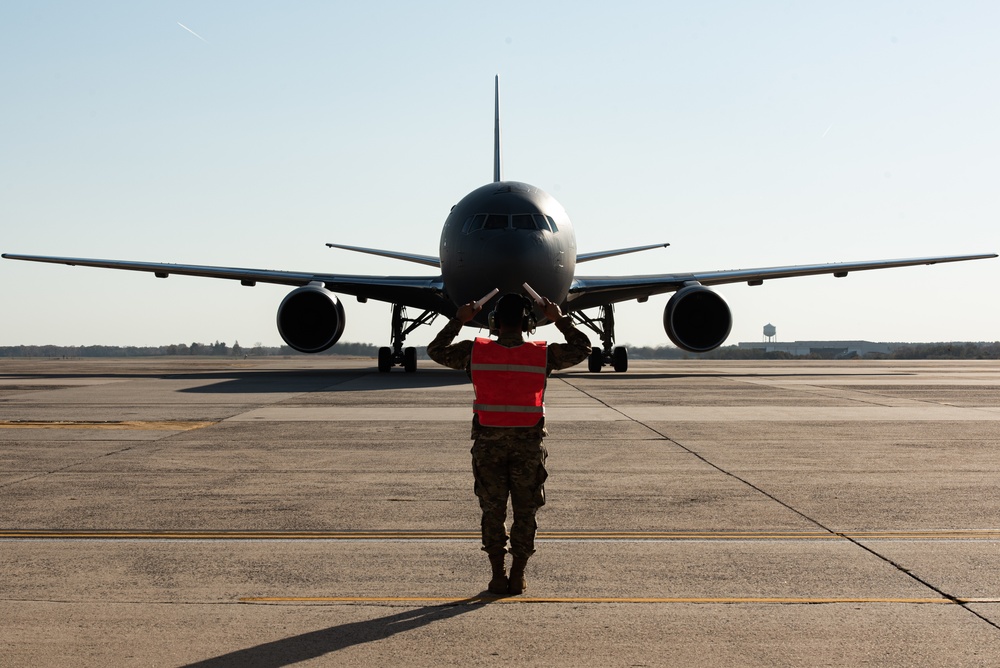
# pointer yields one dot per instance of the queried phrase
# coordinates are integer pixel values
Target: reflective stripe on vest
(509, 383)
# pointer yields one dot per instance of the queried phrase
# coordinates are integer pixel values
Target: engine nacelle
(310, 319)
(696, 319)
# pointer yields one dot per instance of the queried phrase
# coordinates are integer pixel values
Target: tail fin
(496, 131)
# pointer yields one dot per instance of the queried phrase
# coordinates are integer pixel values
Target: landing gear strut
(401, 326)
(604, 326)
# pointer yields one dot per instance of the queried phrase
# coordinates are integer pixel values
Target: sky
(744, 134)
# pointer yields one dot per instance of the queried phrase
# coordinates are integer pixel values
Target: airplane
(501, 235)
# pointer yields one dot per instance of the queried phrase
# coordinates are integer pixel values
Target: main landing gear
(604, 326)
(401, 326)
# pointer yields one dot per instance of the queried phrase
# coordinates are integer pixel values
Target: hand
(467, 312)
(551, 310)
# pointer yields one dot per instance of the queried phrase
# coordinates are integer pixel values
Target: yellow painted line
(234, 535)
(522, 599)
(397, 535)
(135, 425)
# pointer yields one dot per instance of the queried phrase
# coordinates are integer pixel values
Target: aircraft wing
(415, 291)
(591, 291)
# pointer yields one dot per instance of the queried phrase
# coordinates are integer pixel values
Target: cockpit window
(522, 221)
(552, 223)
(495, 221)
(473, 223)
(540, 222)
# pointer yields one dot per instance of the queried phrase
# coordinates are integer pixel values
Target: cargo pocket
(541, 476)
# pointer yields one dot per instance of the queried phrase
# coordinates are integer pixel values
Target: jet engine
(310, 319)
(696, 319)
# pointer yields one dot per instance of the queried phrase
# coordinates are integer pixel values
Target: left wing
(591, 291)
(415, 291)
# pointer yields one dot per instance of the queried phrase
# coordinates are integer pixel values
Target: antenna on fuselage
(496, 130)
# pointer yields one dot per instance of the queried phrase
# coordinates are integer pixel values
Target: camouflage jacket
(560, 356)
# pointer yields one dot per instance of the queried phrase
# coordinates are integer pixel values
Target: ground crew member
(508, 424)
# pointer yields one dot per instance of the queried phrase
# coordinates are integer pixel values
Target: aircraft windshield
(517, 221)
(522, 221)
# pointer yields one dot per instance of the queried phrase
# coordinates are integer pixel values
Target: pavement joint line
(443, 600)
(854, 541)
(417, 535)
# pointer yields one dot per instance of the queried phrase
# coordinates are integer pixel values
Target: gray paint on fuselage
(473, 263)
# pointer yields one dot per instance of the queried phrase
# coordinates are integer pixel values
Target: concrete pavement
(276, 512)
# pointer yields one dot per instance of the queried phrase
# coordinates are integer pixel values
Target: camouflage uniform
(509, 461)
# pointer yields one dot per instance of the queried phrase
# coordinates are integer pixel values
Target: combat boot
(517, 581)
(498, 585)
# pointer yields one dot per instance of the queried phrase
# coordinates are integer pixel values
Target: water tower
(770, 332)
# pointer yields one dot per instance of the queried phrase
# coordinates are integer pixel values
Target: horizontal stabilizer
(585, 257)
(428, 260)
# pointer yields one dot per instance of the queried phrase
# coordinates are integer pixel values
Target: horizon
(344, 344)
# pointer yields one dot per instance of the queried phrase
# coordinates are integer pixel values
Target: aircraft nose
(516, 254)
(506, 259)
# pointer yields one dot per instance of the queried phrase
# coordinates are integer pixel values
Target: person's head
(512, 312)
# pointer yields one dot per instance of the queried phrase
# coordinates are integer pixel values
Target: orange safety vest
(509, 383)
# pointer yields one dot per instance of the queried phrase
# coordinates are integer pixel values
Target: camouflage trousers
(511, 468)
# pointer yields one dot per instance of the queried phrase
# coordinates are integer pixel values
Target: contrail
(192, 32)
(826, 131)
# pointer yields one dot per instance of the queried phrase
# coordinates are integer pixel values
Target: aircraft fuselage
(502, 235)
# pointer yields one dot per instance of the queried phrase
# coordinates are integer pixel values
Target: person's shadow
(314, 644)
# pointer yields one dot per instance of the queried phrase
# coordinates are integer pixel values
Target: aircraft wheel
(384, 359)
(596, 360)
(619, 358)
(410, 359)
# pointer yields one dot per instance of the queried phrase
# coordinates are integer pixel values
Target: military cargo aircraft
(501, 236)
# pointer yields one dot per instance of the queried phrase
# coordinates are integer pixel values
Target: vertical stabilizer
(496, 130)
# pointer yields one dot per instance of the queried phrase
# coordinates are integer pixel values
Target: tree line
(217, 349)
(909, 351)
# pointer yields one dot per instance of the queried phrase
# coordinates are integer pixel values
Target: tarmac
(311, 511)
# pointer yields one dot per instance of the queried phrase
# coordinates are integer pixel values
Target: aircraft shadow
(298, 381)
(277, 380)
(314, 644)
(337, 380)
